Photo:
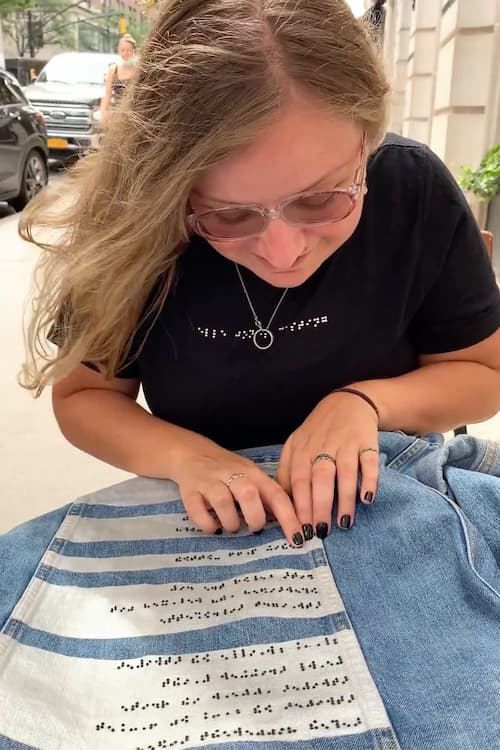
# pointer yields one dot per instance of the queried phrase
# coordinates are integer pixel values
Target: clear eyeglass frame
(353, 192)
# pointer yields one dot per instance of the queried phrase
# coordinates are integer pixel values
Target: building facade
(443, 58)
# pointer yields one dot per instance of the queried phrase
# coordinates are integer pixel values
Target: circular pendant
(263, 338)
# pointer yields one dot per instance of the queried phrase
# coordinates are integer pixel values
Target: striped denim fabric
(139, 632)
(127, 628)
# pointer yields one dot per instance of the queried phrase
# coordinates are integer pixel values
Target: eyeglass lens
(314, 208)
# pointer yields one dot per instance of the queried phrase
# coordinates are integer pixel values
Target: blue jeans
(123, 627)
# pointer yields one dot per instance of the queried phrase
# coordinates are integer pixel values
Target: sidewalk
(40, 469)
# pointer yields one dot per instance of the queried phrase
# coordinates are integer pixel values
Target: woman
(249, 249)
(119, 76)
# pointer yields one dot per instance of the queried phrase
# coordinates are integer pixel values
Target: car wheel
(35, 177)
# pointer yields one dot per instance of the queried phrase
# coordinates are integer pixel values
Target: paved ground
(40, 470)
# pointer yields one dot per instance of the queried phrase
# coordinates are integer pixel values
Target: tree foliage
(485, 180)
(11, 6)
(32, 24)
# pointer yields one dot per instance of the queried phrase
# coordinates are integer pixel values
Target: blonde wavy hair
(212, 73)
(128, 38)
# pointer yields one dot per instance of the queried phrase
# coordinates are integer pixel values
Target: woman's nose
(281, 244)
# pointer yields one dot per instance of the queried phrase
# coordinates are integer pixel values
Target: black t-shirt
(414, 278)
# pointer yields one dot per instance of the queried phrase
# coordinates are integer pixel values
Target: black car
(23, 145)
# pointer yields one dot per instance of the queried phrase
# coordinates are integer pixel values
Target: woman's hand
(215, 479)
(337, 441)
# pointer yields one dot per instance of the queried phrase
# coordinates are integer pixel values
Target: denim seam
(67, 527)
(472, 542)
(469, 544)
(12, 627)
(379, 743)
(402, 459)
(371, 694)
(23, 607)
(386, 739)
(490, 457)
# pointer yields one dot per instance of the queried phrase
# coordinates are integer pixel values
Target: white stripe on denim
(186, 574)
(260, 617)
(151, 562)
(115, 612)
(131, 510)
(159, 545)
(232, 635)
(116, 529)
(175, 528)
(134, 491)
(147, 490)
(289, 691)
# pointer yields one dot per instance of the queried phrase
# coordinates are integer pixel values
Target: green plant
(485, 180)
(33, 24)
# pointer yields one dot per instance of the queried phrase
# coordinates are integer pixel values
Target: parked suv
(68, 91)
(23, 146)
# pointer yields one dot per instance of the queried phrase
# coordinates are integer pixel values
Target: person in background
(118, 76)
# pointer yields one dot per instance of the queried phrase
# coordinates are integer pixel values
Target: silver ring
(367, 450)
(233, 477)
(323, 457)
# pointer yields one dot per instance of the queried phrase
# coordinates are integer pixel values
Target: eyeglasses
(312, 208)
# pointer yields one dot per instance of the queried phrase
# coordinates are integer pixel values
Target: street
(40, 469)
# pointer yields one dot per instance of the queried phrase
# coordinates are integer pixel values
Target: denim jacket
(125, 628)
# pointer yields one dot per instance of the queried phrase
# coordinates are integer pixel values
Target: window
(16, 92)
(73, 68)
(6, 95)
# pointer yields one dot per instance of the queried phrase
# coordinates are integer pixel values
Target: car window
(8, 94)
(74, 68)
(16, 91)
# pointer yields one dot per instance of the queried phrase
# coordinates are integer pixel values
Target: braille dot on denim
(257, 690)
(262, 692)
(215, 557)
(279, 597)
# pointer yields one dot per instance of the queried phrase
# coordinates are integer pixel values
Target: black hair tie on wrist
(362, 395)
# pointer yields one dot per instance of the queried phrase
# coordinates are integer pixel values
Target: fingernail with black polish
(218, 531)
(321, 530)
(368, 498)
(298, 539)
(345, 522)
(258, 532)
(308, 531)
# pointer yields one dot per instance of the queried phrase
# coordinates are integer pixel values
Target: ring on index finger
(323, 457)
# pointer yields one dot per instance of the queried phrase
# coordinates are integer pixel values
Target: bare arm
(447, 390)
(102, 417)
(106, 99)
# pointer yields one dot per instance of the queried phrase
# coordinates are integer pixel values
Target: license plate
(57, 143)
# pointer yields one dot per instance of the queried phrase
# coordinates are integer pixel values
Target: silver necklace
(263, 338)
